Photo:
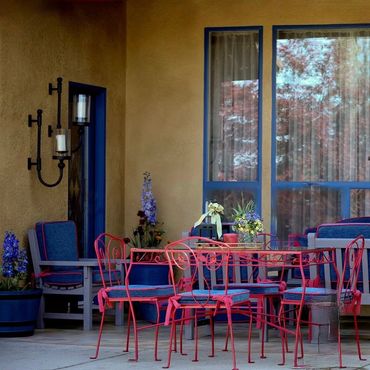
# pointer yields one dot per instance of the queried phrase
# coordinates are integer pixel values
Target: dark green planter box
(18, 312)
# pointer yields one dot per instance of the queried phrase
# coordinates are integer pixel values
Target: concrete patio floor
(71, 348)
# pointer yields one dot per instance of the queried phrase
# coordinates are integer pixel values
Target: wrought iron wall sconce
(61, 136)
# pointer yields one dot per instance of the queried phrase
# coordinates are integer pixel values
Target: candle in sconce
(61, 143)
(81, 108)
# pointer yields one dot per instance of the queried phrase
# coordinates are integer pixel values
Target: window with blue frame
(232, 116)
(321, 111)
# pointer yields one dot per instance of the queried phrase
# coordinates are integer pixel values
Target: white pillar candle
(81, 107)
(61, 143)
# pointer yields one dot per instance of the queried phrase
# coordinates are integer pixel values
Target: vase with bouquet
(247, 223)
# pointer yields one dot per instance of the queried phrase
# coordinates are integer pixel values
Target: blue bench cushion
(254, 288)
(142, 291)
(74, 277)
(204, 296)
(343, 230)
(360, 219)
(312, 295)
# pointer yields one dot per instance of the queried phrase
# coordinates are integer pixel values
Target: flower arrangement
(247, 222)
(214, 211)
(149, 232)
(13, 271)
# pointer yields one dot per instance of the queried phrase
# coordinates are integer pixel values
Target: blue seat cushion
(74, 277)
(142, 291)
(204, 296)
(254, 288)
(343, 230)
(312, 295)
(66, 278)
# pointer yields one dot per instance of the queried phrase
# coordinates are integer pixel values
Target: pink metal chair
(208, 261)
(111, 252)
(246, 273)
(346, 297)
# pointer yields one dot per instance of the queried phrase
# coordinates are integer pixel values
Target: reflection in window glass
(301, 208)
(233, 106)
(229, 199)
(360, 202)
(323, 105)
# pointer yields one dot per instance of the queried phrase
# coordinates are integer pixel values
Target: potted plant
(247, 222)
(148, 234)
(19, 303)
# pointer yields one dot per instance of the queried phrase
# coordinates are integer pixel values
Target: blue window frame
(321, 83)
(232, 116)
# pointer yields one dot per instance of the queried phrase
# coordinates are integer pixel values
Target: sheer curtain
(323, 89)
(233, 106)
(322, 123)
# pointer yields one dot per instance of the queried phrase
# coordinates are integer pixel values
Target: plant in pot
(247, 222)
(148, 234)
(19, 302)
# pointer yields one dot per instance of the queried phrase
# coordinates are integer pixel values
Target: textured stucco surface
(165, 80)
(154, 79)
(40, 41)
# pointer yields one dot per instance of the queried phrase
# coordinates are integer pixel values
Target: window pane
(323, 105)
(229, 199)
(360, 202)
(298, 209)
(233, 106)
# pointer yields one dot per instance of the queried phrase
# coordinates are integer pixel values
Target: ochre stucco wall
(40, 41)
(164, 120)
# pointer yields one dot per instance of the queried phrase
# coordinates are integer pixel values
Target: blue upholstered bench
(338, 235)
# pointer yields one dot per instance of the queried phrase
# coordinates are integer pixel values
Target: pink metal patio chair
(347, 298)
(208, 260)
(247, 273)
(111, 250)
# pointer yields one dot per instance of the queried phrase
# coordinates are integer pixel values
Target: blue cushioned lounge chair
(65, 279)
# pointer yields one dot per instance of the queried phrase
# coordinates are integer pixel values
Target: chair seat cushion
(63, 279)
(312, 295)
(142, 291)
(254, 288)
(205, 296)
(74, 278)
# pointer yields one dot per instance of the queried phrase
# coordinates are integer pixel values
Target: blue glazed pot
(150, 275)
(18, 312)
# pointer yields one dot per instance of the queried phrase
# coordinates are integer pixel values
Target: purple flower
(148, 203)
(14, 262)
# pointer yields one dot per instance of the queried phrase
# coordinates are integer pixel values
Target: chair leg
(297, 334)
(134, 323)
(128, 330)
(227, 339)
(196, 338)
(250, 336)
(263, 327)
(281, 319)
(212, 327)
(358, 338)
(182, 333)
(156, 333)
(172, 337)
(230, 324)
(99, 336)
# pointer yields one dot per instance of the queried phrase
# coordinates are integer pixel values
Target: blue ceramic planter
(150, 275)
(18, 312)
